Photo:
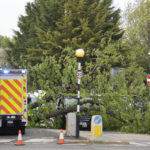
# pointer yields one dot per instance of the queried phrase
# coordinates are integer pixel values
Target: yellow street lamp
(79, 53)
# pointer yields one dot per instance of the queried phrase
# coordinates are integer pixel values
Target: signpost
(79, 74)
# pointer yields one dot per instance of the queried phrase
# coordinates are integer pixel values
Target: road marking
(75, 144)
(138, 144)
(5, 140)
(39, 140)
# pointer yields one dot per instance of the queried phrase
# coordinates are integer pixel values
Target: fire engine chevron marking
(24, 81)
(10, 95)
(9, 104)
(4, 110)
(25, 116)
(10, 99)
(24, 89)
(11, 90)
(16, 90)
(18, 83)
(6, 106)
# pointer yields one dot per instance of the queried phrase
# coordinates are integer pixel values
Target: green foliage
(4, 41)
(46, 76)
(51, 25)
(58, 122)
(83, 25)
(124, 100)
(137, 33)
(146, 125)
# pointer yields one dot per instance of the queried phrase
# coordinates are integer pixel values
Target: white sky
(10, 10)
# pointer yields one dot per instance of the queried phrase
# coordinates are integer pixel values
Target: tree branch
(64, 111)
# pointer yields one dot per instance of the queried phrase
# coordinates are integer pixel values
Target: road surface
(46, 139)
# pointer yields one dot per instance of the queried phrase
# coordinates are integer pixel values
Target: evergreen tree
(50, 26)
(84, 24)
(26, 48)
(4, 41)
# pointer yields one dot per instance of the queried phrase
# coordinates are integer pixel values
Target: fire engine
(13, 99)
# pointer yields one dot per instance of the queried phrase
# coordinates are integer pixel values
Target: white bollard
(71, 124)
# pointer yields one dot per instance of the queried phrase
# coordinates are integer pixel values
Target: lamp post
(79, 55)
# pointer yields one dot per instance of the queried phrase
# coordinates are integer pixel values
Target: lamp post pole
(79, 55)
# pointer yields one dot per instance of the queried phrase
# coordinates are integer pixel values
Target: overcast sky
(10, 10)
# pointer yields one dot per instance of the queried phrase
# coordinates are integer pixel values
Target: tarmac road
(46, 139)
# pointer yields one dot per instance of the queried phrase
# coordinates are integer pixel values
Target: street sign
(79, 74)
(97, 120)
(148, 79)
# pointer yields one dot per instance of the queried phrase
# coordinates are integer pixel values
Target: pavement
(107, 138)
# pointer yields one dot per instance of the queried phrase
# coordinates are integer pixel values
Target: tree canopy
(4, 41)
(51, 25)
(137, 33)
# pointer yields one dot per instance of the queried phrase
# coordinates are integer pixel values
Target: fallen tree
(64, 111)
